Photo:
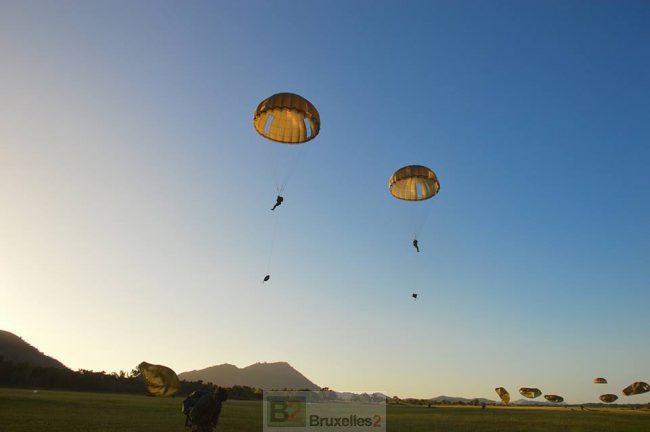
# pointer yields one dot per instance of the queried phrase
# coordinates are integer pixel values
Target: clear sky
(135, 193)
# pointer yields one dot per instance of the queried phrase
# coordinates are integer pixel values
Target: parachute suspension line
(421, 223)
(284, 166)
(291, 169)
(276, 174)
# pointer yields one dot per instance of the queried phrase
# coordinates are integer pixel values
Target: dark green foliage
(23, 375)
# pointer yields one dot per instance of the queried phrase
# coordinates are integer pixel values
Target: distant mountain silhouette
(265, 376)
(454, 399)
(16, 350)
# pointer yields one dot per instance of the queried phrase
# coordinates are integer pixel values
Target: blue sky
(135, 191)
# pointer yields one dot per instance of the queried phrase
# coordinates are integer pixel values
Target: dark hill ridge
(16, 350)
(454, 399)
(265, 376)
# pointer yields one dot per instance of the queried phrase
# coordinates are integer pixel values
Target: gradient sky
(135, 193)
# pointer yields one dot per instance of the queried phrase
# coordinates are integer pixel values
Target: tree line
(24, 375)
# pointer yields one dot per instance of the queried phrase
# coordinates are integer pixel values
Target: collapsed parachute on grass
(530, 392)
(608, 398)
(159, 380)
(636, 388)
(287, 118)
(503, 394)
(600, 381)
(414, 183)
(554, 398)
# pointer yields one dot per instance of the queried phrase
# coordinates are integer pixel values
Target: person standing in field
(203, 408)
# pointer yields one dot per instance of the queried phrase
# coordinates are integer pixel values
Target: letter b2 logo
(286, 411)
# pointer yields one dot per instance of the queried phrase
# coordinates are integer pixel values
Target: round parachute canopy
(414, 183)
(637, 388)
(503, 394)
(159, 380)
(600, 381)
(554, 398)
(287, 118)
(530, 393)
(608, 398)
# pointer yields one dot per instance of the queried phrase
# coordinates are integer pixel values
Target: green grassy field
(26, 411)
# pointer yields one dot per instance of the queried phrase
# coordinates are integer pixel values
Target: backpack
(199, 407)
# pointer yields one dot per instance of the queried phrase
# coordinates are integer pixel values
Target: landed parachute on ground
(503, 394)
(608, 398)
(159, 380)
(414, 183)
(600, 381)
(554, 398)
(287, 118)
(636, 388)
(530, 392)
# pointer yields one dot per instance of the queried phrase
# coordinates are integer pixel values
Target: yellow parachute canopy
(503, 394)
(414, 183)
(608, 398)
(287, 118)
(637, 388)
(554, 398)
(529, 392)
(159, 380)
(600, 381)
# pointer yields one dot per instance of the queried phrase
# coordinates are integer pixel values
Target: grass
(54, 411)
